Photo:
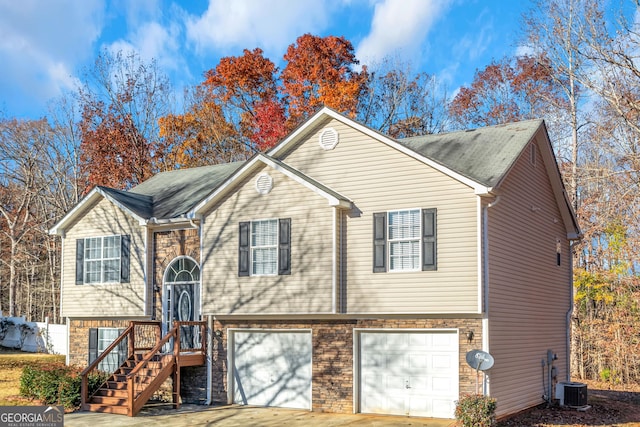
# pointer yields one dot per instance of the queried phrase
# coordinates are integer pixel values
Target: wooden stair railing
(146, 368)
(144, 380)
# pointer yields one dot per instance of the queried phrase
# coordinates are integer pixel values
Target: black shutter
(379, 242)
(243, 249)
(429, 246)
(93, 344)
(125, 242)
(79, 261)
(284, 246)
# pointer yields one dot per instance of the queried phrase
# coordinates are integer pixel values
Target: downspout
(485, 274)
(67, 321)
(334, 263)
(146, 274)
(569, 314)
(209, 364)
(209, 358)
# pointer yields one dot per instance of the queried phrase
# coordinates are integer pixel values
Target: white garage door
(272, 368)
(409, 373)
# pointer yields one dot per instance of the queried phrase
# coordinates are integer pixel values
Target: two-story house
(342, 271)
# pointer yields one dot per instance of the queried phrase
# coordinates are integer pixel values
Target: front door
(182, 299)
(183, 310)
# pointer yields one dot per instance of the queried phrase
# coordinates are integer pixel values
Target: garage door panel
(272, 369)
(419, 375)
(418, 361)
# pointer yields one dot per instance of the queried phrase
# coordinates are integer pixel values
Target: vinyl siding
(109, 299)
(529, 293)
(379, 178)
(308, 289)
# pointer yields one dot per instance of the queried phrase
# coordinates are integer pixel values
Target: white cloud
(41, 43)
(270, 25)
(399, 27)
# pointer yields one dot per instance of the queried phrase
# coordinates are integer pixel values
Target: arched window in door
(182, 270)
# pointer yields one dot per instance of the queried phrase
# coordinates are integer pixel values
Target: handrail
(108, 350)
(133, 376)
(152, 352)
(169, 363)
(84, 375)
(130, 334)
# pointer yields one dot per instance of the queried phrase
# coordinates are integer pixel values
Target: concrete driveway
(243, 416)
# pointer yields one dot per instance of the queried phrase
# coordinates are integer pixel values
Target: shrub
(56, 384)
(475, 410)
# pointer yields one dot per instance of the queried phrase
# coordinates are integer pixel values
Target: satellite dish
(479, 360)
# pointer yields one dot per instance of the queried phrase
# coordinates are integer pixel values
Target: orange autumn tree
(201, 136)
(230, 115)
(245, 104)
(320, 72)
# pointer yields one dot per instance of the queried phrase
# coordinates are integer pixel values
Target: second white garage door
(409, 373)
(272, 368)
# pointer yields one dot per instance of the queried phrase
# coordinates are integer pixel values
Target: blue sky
(45, 44)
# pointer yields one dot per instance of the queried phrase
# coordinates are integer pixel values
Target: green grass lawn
(11, 364)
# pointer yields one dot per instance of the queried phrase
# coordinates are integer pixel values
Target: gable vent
(328, 139)
(264, 183)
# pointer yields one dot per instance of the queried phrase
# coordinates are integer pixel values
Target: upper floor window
(265, 247)
(404, 240)
(102, 260)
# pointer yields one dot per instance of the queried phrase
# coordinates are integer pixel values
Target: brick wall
(79, 337)
(332, 370)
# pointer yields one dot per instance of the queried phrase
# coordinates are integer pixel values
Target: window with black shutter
(103, 259)
(264, 247)
(405, 240)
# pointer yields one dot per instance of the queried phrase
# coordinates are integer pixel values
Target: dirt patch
(609, 406)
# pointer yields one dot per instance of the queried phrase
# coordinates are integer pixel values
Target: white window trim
(252, 247)
(99, 350)
(86, 260)
(417, 239)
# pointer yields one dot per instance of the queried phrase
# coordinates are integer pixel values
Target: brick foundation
(79, 337)
(332, 361)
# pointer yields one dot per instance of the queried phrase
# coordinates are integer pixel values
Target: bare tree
(22, 148)
(400, 103)
(555, 28)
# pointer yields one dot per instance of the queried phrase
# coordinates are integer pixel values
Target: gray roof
(139, 204)
(483, 155)
(174, 193)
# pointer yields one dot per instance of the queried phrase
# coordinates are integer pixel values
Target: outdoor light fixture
(218, 333)
(470, 335)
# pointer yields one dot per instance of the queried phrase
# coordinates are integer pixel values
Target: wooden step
(108, 400)
(93, 407)
(115, 385)
(109, 392)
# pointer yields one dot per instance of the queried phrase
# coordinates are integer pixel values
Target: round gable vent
(328, 139)
(264, 183)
